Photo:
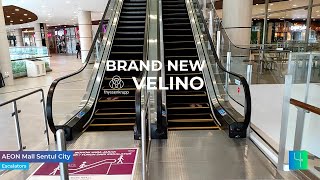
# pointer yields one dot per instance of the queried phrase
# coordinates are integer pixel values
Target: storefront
(63, 40)
(280, 31)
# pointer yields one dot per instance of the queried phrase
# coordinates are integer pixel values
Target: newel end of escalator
(237, 130)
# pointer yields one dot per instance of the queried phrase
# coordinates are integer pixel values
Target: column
(5, 62)
(85, 29)
(19, 37)
(41, 35)
(237, 17)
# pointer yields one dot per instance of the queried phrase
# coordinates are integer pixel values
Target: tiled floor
(67, 97)
(186, 155)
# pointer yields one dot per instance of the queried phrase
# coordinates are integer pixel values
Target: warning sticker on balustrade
(117, 164)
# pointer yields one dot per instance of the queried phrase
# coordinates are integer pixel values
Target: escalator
(109, 102)
(187, 109)
(115, 108)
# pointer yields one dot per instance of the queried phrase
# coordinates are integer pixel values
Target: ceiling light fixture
(29, 18)
(17, 9)
(8, 16)
(21, 20)
(25, 14)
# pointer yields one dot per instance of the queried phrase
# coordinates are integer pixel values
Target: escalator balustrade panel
(187, 109)
(115, 109)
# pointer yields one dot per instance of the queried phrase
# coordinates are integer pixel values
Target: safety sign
(117, 164)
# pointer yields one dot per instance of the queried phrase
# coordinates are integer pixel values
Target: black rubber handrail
(56, 81)
(247, 106)
(145, 58)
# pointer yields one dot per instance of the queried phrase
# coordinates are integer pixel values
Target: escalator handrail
(247, 106)
(56, 81)
(144, 72)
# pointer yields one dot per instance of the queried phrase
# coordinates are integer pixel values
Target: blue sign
(222, 112)
(36, 156)
(14, 166)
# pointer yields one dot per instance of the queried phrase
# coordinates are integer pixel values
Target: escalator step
(194, 128)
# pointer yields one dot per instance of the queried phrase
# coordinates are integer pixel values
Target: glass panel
(79, 87)
(228, 87)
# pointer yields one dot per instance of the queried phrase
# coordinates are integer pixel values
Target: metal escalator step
(134, 8)
(105, 111)
(114, 124)
(130, 33)
(186, 93)
(194, 128)
(132, 17)
(180, 49)
(174, 14)
(127, 45)
(119, 99)
(175, 19)
(129, 39)
(190, 120)
(126, 53)
(127, 13)
(177, 24)
(131, 22)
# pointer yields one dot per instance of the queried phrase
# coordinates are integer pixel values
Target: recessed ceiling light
(29, 18)
(25, 14)
(294, 5)
(11, 21)
(17, 9)
(257, 4)
(13, 13)
(8, 16)
(21, 20)
(269, 9)
(64, 26)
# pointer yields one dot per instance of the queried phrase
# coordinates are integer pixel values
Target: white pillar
(237, 17)
(39, 37)
(5, 62)
(19, 37)
(85, 29)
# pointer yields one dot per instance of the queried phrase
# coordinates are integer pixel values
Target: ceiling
(64, 12)
(17, 15)
(300, 14)
(58, 12)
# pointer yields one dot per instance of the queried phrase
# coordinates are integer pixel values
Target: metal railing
(144, 73)
(16, 112)
(105, 37)
(145, 137)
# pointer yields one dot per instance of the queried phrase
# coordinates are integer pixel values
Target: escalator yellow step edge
(193, 128)
(116, 124)
(191, 120)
